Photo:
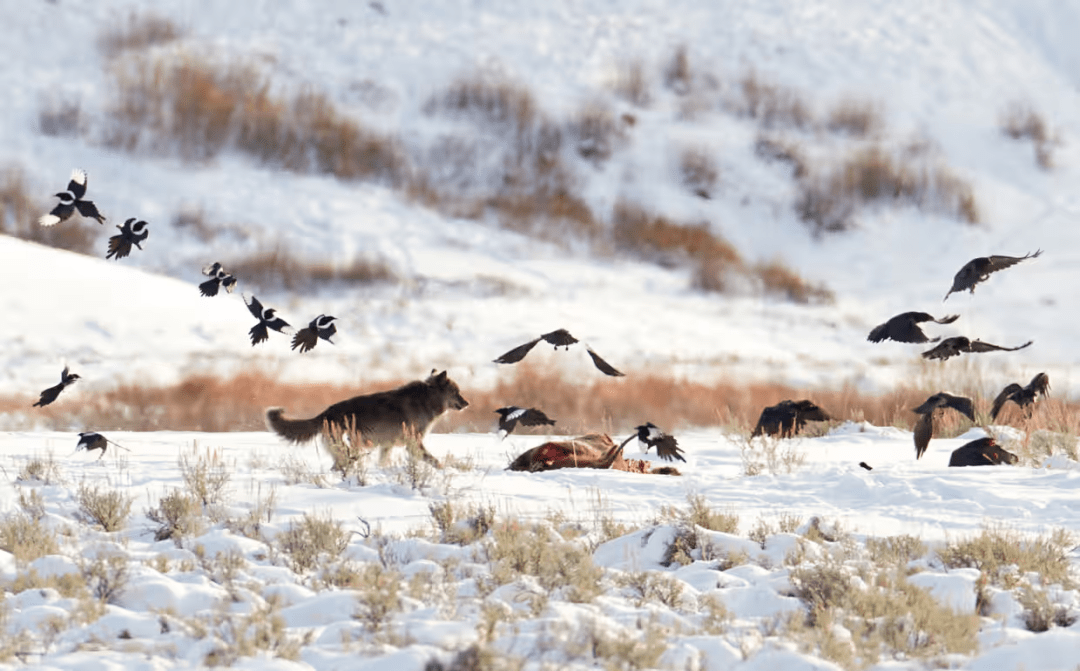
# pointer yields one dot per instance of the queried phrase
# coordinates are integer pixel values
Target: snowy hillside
(469, 290)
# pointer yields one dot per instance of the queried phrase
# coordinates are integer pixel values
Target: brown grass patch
(238, 403)
(776, 149)
(196, 109)
(771, 104)
(779, 279)
(139, 31)
(632, 83)
(277, 268)
(19, 214)
(1021, 122)
(872, 175)
(698, 171)
(855, 117)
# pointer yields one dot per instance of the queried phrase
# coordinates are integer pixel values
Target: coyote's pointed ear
(432, 373)
(441, 377)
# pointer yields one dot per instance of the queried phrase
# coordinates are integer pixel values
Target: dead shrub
(179, 515)
(19, 213)
(61, 116)
(109, 509)
(139, 31)
(516, 548)
(779, 150)
(855, 117)
(278, 268)
(632, 83)
(698, 513)
(698, 171)
(26, 538)
(460, 525)
(313, 539)
(780, 280)
(872, 175)
(195, 108)
(1020, 121)
(771, 104)
(205, 476)
(45, 470)
(595, 132)
(677, 73)
(659, 239)
(1005, 554)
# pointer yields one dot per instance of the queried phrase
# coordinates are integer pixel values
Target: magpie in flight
(50, 394)
(219, 279)
(558, 338)
(72, 200)
(924, 426)
(905, 327)
(512, 415)
(978, 270)
(321, 327)
(268, 319)
(120, 245)
(667, 448)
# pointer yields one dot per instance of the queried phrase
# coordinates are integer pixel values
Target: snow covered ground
(168, 582)
(942, 74)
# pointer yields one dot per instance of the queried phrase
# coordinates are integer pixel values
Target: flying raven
(924, 426)
(978, 270)
(956, 346)
(905, 327)
(558, 338)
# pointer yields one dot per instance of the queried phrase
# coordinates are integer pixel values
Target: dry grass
(1004, 555)
(278, 268)
(19, 213)
(139, 31)
(595, 131)
(771, 104)
(778, 279)
(1021, 122)
(238, 403)
(773, 148)
(855, 117)
(873, 175)
(632, 83)
(191, 107)
(698, 171)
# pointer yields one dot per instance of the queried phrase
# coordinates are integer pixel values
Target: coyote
(401, 416)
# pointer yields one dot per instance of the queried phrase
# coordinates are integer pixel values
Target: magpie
(268, 319)
(667, 448)
(72, 200)
(512, 415)
(50, 394)
(321, 327)
(120, 245)
(219, 279)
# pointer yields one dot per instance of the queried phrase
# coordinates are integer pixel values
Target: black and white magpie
(667, 448)
(120, 245)
(50, 394)
(219, 279)
(512, 415)
(321, 327)
(72, 200)
(268, 319)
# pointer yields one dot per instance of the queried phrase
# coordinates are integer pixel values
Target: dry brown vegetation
(208, 403)
(771, 104)
(1021, 122)
(276, 268)
(193, 107)
(873, 175)
(139, 31)
(19, 214)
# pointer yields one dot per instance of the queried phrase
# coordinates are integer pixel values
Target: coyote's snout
(401, 416)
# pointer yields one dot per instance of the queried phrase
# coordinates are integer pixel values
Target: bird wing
(119, 247)
(534, 417)
(966, 278)
(77, 185)
(1040, 384)
(923, 432)
(961, 404)
(906, 330)
(279, 325)
(1005, 395)
(980, 346)
(258, 333)
(328, 332)
(212, 269)
(254, 307)
(604, 366)
(305, 339)
(879, 332)
(518, 353)
(1002, 262)
(210, 287)
(229, 282)
(58, 214)
(89, 210)
(667, 448)
(947, 319)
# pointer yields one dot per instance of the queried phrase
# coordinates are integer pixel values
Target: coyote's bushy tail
(293, 430)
